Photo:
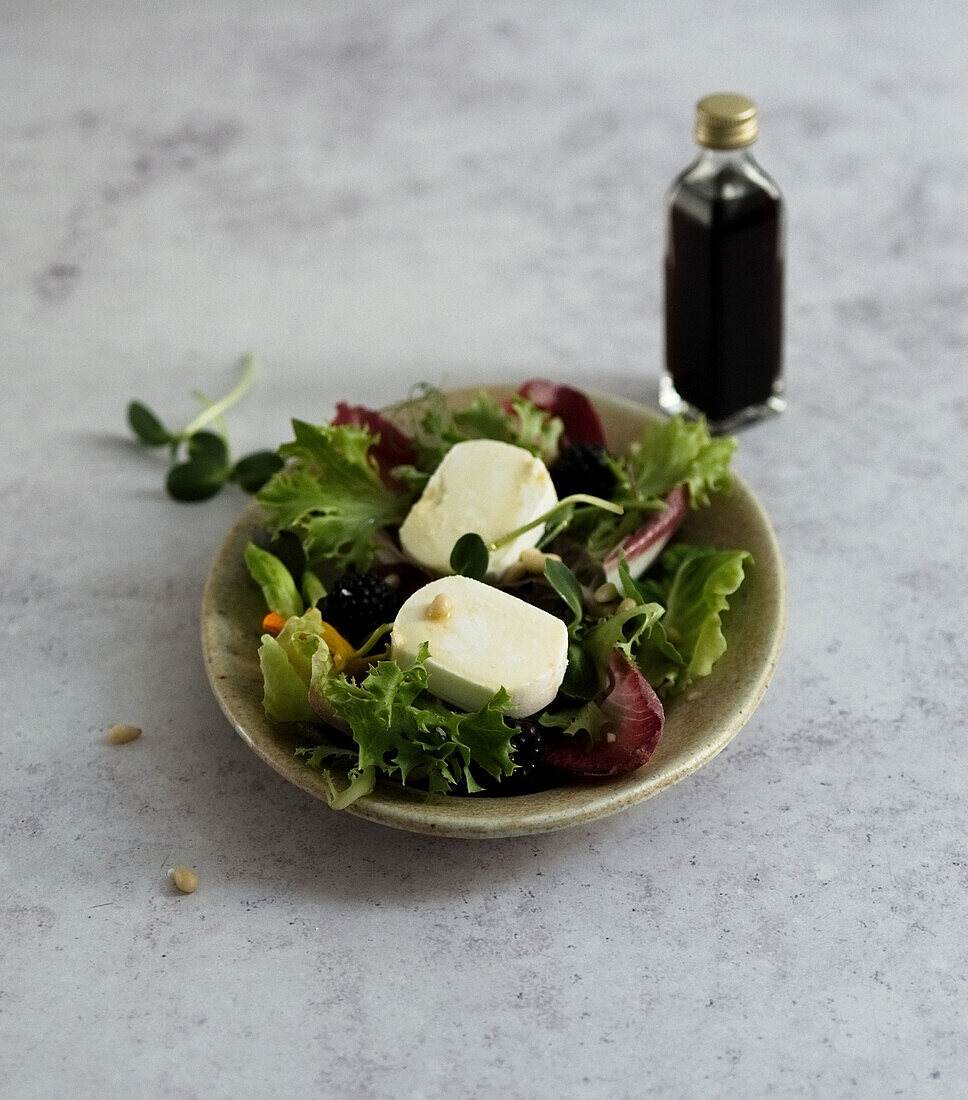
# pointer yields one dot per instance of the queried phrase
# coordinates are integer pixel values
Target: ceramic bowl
(698, 724)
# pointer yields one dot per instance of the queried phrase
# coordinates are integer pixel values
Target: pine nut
(185, 880)
(441, 607)
(121, 734)
(532, 559)
(606, 593)
(626, 605)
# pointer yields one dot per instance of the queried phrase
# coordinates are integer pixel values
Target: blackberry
(583, 468)
(531, 773)
(358, 603)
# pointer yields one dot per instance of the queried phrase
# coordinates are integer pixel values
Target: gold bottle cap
(726, 121)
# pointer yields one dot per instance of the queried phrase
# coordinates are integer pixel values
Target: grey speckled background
(373, 194)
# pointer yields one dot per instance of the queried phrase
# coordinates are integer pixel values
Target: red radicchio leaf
(643, 546)
(634, 721)
(394, 448)
(571, 406)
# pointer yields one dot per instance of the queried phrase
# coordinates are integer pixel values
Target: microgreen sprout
(471, 554)
(561, 509)
(207, 466)
(469, 557)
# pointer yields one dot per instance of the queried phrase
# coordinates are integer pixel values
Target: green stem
(371, 641)
(566, 502)
(206, 402)
(215, 410)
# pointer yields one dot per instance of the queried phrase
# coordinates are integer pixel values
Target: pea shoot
(200, 462)
(471, 554)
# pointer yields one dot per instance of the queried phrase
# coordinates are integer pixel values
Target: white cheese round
(488, 640)
(483, 486)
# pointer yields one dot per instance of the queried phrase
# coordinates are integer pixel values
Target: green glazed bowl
(698, 724)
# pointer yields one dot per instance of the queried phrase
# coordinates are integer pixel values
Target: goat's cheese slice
(486, 640)
(483, 486)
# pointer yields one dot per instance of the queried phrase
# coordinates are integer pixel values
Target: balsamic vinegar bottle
(724, 276)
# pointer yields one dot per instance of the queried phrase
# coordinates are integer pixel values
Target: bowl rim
(479, 817)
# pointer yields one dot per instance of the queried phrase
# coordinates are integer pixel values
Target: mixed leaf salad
(640, 615)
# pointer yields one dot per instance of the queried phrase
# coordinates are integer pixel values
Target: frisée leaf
(667, 454)
(332, 495)
(437, 428)
(676, 452)
(402, 731)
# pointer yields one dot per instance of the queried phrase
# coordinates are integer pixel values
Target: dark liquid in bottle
(724, 294)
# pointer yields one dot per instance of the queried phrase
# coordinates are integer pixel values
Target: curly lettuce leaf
(393, 447)
(332, 495)
(679, 452)
(533, 428)
(694, 584)
(401, 730)
(341, 790)
(520, 422)
(667, 454)
(586, 718)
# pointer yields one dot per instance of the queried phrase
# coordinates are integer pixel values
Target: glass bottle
(724, 276)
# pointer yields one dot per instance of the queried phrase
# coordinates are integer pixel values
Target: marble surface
(373, 194)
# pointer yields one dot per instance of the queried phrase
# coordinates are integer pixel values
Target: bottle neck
(718, 164)
(714, 159)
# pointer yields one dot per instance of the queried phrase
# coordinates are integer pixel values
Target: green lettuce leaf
(586, 718)
(693, 583)
(312, 588)
(525, 425)
(402, 731)
(438, 428)
(331, 494)
(341, 790)
(275, 580)
(668, 453)
(622, 630)
(287, 663)
(284, 697)
(677, 451)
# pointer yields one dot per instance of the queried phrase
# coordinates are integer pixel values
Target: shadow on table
(268, 837)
